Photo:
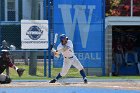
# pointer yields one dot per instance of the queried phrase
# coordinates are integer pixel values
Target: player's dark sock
(58, 76)
(82, 72)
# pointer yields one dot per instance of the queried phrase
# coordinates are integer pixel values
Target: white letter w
(79, 17)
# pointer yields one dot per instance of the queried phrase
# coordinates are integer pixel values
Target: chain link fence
(12, 35)
(35, 62)
(34, 67)
(11, 14)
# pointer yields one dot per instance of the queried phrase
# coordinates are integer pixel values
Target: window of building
(11, 11)
(136, 8)
(2, 14)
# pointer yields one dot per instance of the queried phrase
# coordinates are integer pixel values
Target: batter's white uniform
(69, 57)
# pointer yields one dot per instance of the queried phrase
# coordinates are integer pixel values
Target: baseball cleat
(85, 81)
(53, 81)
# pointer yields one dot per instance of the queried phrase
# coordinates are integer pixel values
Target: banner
(83, 23)
(87, 59)
(34, 34)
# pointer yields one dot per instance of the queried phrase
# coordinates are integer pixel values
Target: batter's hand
(56, 54)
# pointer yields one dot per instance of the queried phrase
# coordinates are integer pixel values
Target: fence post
(26, 57)
(45, 52)
(45, 62)
(49, 50)
(0, 23)
(103, 65)
(131, 12)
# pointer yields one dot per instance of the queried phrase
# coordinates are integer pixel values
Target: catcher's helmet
(4, 52)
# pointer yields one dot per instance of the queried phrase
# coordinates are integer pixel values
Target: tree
(122, 7)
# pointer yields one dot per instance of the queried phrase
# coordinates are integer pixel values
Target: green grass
(114, 77)
(40, 73)
(73, 73)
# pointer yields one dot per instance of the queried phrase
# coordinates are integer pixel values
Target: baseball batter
(66, 49)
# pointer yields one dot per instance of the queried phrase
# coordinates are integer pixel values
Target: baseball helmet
(62, 37)
(4, 52)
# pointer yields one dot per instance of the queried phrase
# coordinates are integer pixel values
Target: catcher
(6, 62)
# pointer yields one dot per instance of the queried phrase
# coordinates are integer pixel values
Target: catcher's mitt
(20, 71)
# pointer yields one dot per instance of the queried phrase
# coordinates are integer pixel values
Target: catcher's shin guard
(7, 80)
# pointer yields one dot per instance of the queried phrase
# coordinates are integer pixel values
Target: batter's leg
(76, 63)
(65, 69)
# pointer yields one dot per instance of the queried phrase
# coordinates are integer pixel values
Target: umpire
(5, 62)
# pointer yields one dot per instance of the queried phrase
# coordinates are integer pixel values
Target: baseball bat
(54, 42)
(55, 38)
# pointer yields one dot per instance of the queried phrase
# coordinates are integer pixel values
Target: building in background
(122, 21)
(11, 13)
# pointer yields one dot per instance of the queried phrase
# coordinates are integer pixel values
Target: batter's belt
(68, 57)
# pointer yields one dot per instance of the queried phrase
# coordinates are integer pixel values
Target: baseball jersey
(68, 52)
